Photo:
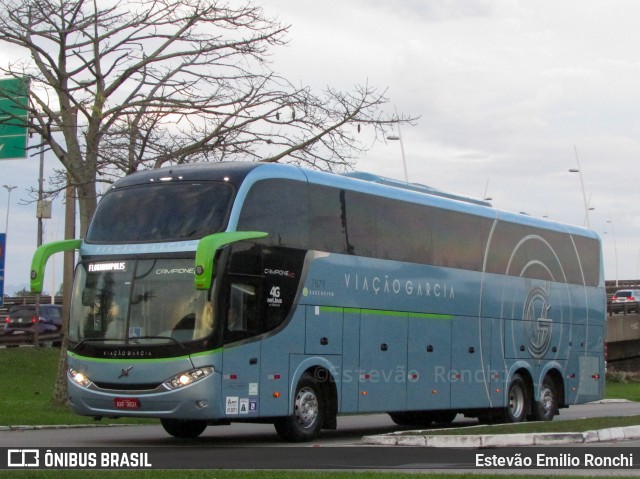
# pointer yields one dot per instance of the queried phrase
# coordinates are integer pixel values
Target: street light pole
(584, 194)
(399, 137)
(8, 188)
(615, 248)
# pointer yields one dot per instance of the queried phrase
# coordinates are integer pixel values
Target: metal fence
(628, 307)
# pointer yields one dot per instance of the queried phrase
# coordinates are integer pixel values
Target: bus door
(240, 306)
(256, 297)
(241, 356)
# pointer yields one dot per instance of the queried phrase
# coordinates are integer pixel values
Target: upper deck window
(161, 212)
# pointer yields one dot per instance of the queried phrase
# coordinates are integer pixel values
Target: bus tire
(308, 413)
(183, 429)
(517, 400)
(547, 405)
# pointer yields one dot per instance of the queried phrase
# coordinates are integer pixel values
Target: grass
(27, 382)
(623, 385)
(629, 391)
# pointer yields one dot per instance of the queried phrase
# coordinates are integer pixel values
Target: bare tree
(141, 83)
(124, 85)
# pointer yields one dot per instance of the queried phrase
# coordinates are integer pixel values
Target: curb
(417, 439)
(609, 401)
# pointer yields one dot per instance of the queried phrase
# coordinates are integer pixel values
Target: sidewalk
(422, 438)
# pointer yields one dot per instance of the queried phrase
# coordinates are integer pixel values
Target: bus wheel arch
(330, 393)
(550, 397)
(314, 407)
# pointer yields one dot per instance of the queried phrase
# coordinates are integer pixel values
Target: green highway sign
(14, 99)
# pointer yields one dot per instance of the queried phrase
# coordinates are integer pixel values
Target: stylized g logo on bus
(539, 324)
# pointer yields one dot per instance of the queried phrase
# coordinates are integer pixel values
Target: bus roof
(237, 172)
(412, 186)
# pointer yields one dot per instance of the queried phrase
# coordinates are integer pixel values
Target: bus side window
(242, 320)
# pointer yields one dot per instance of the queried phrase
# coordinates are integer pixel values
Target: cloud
(504, 89)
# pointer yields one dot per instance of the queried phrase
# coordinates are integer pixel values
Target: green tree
(22, 293)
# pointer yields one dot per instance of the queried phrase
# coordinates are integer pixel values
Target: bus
(213, 293)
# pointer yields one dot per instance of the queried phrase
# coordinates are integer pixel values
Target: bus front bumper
(199, 400)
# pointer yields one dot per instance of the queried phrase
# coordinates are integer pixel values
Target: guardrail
(26, 339)
(627, 307)
(10, 301)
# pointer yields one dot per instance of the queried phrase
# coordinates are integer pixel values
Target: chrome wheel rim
(516, 401)
(546, 400)
(306, 407)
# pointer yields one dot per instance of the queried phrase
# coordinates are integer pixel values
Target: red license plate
(127, 403)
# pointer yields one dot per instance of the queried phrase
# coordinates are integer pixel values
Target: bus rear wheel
(308, 413)
(547, 405)
(517, 400)
(183, 429)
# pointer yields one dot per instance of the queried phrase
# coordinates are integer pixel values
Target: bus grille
(127, 387)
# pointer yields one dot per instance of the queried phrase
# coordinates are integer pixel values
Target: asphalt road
(350, 431)
(256, 446)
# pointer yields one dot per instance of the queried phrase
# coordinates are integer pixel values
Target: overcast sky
(506, 92)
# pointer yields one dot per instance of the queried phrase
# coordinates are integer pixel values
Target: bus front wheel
(308, 413)
(183, 428)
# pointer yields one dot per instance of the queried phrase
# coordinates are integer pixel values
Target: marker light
(188, 377)
(79, 378)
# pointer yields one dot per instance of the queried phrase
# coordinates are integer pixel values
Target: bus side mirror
(206, 252)
(41, 256)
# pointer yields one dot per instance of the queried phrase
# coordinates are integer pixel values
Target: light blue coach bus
(214, 293)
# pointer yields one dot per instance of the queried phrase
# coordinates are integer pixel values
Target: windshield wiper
(134, 339)
(97, 340)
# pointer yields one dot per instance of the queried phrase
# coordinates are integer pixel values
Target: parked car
(22, 319)
(629, 296)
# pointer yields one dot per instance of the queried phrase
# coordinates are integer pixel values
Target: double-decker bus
(248, 292)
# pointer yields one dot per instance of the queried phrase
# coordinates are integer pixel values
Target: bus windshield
(161, 212)
(144, 301)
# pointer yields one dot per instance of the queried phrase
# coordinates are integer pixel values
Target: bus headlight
(188, 377)
(79, 378)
